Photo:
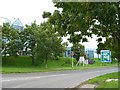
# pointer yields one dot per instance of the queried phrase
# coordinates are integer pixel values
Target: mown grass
(23, 64)
(101, 81)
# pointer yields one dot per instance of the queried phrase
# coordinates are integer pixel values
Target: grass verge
(101, 81)
(23, 65)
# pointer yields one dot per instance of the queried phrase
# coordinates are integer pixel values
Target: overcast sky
(30, 10)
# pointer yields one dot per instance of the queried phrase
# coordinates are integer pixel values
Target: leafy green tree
(28, 37)
(101, 19)
(48, 43)
(10, 37)
(11, 43)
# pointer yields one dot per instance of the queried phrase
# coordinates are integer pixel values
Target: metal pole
(72, 60)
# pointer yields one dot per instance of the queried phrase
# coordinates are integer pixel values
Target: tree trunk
(118, 49)
(4, 61)
(33, 60)
(46, 63)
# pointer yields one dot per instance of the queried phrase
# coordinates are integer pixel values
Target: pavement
(61, 79)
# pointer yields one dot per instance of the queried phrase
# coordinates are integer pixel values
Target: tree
(11, 43)
(10, 37)
(28, 37)
(101, 19)
(48, 43)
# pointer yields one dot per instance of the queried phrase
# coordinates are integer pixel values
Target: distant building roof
(17, 24)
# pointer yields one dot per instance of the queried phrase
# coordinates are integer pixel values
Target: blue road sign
(105, 56)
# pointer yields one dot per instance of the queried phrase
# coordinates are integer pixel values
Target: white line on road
(25, 78)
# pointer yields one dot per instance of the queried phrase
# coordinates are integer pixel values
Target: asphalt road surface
(61, 79)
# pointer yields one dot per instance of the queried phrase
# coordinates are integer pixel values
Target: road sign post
(105, 56)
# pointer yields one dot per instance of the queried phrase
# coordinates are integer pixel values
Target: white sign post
(82, 60)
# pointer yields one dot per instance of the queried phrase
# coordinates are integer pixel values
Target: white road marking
(25, 78)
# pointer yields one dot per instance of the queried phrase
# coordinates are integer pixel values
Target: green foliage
(28, 37)
(17, 61)
(112, 84)
(82, 17)
(79, 50)
(48, 44)
(10, 40)
(22, 64)
(46, 14)
(25, 62)
(66, 61)
(39, 41)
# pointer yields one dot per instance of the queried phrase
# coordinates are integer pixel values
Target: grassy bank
(101, 81)
(23, 64)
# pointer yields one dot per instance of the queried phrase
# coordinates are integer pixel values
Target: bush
(16, 61)
(67, 61)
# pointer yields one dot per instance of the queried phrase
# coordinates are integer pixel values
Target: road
(61, 79)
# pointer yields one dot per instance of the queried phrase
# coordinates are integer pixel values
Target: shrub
(67, 61)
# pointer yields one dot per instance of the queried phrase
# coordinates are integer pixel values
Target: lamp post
(72, 59)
